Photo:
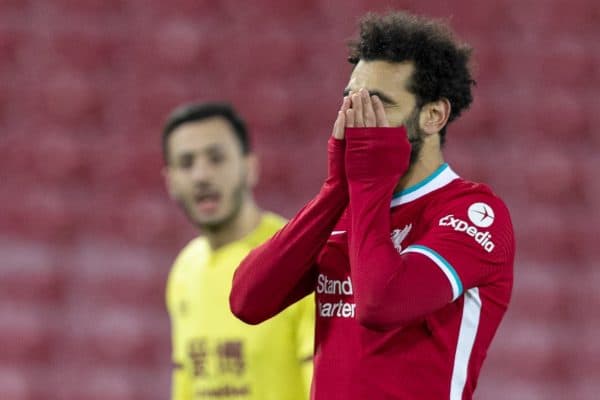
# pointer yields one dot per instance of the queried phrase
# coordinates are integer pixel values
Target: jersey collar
(440, 178)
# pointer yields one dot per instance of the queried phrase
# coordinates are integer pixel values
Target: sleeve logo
(481, 215)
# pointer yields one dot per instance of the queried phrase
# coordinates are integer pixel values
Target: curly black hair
(441, 63)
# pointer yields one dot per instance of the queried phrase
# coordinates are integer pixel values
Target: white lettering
(340, 309)
(333, 286)
(445, 221)
(462, 226)
(484, 239)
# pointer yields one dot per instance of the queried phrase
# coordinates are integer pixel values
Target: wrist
(336, 149)
(376, 153)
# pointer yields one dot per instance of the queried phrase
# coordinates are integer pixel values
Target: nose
(202, 171)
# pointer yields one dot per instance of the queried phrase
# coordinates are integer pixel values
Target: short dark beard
(416, 136)
(238, 200)
(214, 227)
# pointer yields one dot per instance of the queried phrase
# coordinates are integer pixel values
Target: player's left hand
(365, 111)
(374, 157)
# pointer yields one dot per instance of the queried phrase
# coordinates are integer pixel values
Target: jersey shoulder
(473, 207)
(195, 250)
(461, 192)
(272, 222)
(269, 224)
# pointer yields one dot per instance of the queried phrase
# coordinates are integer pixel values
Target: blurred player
(412, 265)
(210, 172)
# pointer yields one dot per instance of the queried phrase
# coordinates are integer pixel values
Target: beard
(416, 136)
(237, 200)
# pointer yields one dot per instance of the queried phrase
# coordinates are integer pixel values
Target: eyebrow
(211, 148)
(384, 98)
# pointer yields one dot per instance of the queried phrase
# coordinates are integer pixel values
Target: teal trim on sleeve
(442, 260)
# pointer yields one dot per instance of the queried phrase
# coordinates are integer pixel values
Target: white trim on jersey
(440, 178)
(466, 339)
(447, 269)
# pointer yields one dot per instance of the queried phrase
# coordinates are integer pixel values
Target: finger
(345, 104)
(380, 115)
(358, 110)
(350, 118)
(369, 114)
(339, 126)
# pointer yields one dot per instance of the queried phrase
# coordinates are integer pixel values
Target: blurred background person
(88, 232)
(210, 172)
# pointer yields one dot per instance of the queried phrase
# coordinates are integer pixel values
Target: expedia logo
(483, 238)
(481, 215)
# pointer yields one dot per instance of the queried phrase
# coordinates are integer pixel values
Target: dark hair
(441, 64)
(200, 111)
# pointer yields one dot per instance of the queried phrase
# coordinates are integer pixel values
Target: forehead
(383, 76)
(200, 135)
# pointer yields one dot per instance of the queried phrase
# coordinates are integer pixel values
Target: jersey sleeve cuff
(445, 266)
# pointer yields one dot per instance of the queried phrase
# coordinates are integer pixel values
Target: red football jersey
(465, 230)
(408, 298)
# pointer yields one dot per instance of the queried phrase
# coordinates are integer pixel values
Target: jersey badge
(398, 235)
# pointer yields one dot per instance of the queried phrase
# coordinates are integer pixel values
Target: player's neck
(428, 161)
(247, 219)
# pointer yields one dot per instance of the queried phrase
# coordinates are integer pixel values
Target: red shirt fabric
(410, 288)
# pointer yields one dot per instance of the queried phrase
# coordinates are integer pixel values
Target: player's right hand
(336, 176)
(340, 121)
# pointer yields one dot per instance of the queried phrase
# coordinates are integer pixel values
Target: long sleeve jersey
(410, 287)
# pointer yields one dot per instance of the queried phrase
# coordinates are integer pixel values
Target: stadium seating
(88, 233)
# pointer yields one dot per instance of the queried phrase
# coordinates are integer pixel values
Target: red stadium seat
(94, 8)
(103, 384)
(561, 115)
(72, 97)
(555, 18)
(26, 329)
(492, 387)
(57, 156)
(539, 229)
(532, 349)
(180, 43)
(205, 10)
(110, 273)
(115, 337)
(10, 42)
(552, 178)
(29, 273)
(14, 384)
(250, 13)
(537, 291)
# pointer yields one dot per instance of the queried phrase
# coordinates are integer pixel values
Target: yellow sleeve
(306, 338)
(181, 383)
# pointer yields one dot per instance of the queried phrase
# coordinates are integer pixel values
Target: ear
(253, 169)
(166, 173)
(434, 116)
